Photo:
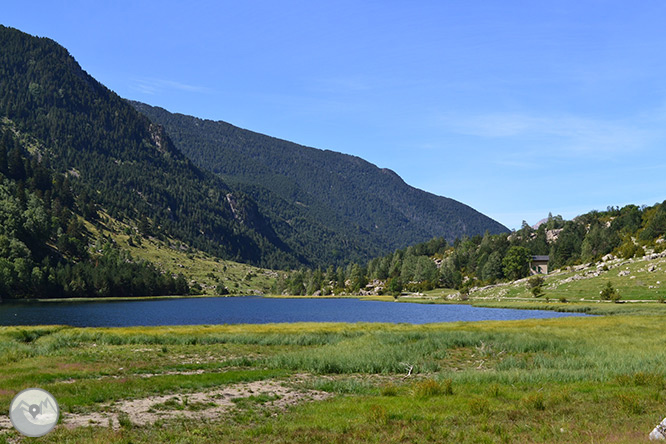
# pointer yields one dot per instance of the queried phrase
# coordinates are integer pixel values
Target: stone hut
(539, 264)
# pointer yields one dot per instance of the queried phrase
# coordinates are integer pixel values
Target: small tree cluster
(609, 293)
(535, 285)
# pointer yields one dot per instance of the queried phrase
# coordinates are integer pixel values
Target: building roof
(541, 258)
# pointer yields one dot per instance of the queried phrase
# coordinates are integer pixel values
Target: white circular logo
(34, 412)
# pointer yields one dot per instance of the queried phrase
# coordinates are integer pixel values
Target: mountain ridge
(258, 199)
(363, 203)
(118, 159)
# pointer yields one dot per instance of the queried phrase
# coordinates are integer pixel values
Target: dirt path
(211, 404)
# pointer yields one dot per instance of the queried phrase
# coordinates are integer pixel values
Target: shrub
(535, 285)
(608, 293)
(629, 249)
(537, 292)
(535, 281)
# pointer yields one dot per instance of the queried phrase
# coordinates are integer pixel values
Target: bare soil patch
(212, 404)
(197, 405)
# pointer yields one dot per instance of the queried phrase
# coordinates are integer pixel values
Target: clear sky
(517, 108)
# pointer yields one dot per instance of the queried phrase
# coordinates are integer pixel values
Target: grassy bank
(597, 379)
(174, 257)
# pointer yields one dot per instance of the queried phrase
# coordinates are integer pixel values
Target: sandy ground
(196, 405)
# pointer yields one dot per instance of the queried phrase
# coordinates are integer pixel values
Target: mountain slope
(357, 202)
(116, 158)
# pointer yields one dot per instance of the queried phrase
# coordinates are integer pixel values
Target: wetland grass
(596, 379)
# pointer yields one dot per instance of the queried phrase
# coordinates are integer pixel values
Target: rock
(652, 268)
(317, 293)
(575, 277)
(608, 257)
(552, 235)
(624, 273)
(659, 432)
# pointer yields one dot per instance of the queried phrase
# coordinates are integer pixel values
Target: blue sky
(517, 108)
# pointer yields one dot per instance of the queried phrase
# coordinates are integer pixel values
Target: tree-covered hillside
(44, 245)
(476, 261)
(338, 207)
(116, 158)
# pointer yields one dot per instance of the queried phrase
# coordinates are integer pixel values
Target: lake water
(247, 310)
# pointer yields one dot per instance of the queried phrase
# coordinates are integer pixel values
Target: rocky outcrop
(552, 235)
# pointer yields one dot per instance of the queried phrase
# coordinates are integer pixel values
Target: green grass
(584, 285)
(198, 267)
(594, 379)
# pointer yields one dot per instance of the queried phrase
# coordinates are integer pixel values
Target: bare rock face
(552, 235)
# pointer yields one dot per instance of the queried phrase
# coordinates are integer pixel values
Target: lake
(248, 310)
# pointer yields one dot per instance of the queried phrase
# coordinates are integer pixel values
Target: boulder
(659, 432)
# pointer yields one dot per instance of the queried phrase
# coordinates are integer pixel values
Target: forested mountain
(116, 159)
(252, 198)
(44, 243)
(350, 206)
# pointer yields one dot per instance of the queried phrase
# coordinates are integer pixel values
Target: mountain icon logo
(34, 412)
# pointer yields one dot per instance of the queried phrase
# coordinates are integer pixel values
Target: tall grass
(594, 349)
(516, 381)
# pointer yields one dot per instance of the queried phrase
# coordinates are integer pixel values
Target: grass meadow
(591, 379)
